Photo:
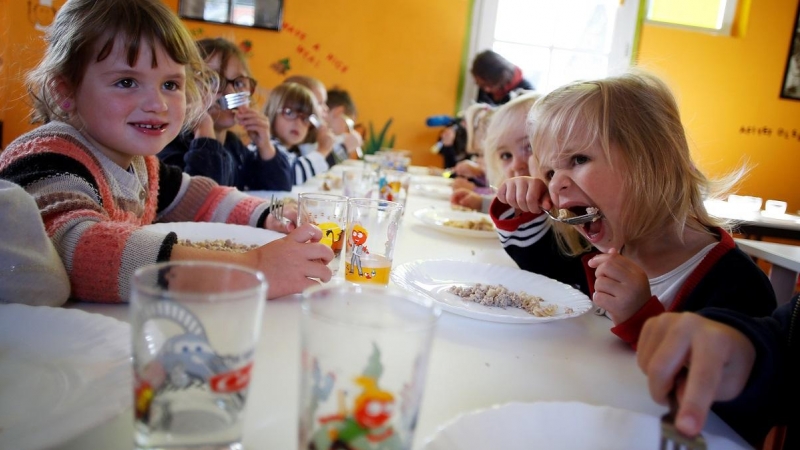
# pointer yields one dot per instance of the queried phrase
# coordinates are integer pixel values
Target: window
(248, 13)
(555, 42)
(706, 15)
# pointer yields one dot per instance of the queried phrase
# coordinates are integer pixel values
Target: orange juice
(374, 270)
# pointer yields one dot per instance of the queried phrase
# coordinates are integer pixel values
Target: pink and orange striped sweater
(94, 210)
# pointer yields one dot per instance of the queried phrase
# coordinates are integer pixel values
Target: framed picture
(266, 14)
(791, 77)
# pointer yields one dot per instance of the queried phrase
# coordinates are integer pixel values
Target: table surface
(785, 255)
(473, 365)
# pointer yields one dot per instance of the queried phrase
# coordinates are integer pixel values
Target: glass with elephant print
(329, 213)
(194, 328)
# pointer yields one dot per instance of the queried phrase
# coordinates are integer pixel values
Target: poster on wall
(267, 14)
(791, 77)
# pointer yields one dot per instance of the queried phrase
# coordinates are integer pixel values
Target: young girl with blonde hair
(118, 81)
(617, 146)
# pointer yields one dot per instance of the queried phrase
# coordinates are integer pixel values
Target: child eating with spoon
(617, 145)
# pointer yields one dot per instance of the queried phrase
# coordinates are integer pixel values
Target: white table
(474, 364)
(785, 261)
(757, 224)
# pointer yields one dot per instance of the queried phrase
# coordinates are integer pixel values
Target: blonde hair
(510, 116)
(637, 113)
(476, 121)
(81, 25)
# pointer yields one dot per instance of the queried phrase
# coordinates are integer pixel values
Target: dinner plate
(62, 372)
(436, 218)
(433, 278)
(440, 191)
(209, 231)
(555, 425)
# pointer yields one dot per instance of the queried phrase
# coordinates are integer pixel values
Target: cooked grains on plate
(499, 295)
(218, 244)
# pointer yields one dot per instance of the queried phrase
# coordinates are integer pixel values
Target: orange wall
(726, 85)
(399, 60)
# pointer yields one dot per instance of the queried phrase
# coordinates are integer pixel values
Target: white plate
(435, 218)
(433, 278)
(555, 425)
(431, 179)
(208, 231)
(62, 372)
(440, 191)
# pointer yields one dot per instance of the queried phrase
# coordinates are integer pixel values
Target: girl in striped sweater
(118, 81)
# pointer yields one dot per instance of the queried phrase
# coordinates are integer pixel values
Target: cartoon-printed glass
(194, 328)
(364, 358)
(329, 213)
(372, 227)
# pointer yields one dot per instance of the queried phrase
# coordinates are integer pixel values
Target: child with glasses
(291, 110)
(212, 149)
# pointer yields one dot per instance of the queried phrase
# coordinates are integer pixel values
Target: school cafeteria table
(474, 364)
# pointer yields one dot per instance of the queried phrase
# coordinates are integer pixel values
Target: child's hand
(467, 199)
(289, 263)
(325, 139)
(719, 359)
(468, 169)
(289, 212)
(621, 286)
(525, 193)
(463, 183)
(205, 127)
(352, 141)
(257, 126)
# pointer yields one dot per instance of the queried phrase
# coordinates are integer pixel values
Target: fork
(276, 210)
(671, 438)
(577, 220)
(235, 100)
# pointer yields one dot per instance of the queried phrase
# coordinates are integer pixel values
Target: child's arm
(257, 126)
(288, 263)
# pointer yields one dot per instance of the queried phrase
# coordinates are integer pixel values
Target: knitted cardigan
(725, 278)
(94, 210)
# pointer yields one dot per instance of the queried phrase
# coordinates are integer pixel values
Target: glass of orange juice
(372, 227)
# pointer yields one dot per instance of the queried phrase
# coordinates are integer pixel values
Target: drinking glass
(364, 357)
(194, 328)
(329, 213)
(359, 183)
(393, 186)
(372, 227)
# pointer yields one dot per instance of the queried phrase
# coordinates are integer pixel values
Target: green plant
(376, 142)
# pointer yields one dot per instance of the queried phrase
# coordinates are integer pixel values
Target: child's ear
(63, 93)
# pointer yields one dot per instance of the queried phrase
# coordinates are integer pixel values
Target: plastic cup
(359, 183)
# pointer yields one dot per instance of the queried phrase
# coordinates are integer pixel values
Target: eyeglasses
(291, 114)
(240, 84)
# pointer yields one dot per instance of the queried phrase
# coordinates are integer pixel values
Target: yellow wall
(727, 86)
(399, 60)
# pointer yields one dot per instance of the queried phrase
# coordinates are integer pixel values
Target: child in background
(212, 149)
(471, 188)
(118, 81)
(291, 109)
(617, 145)
(341, 119)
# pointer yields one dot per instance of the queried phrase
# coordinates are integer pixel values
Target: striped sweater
(94, 210)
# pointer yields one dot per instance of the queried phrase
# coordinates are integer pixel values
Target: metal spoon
(577, 220)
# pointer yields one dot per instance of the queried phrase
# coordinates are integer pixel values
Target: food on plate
(482, 224)
(455, 207)
(499, 295)
(218, 244)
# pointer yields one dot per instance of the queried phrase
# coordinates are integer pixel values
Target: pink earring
(66, 105)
